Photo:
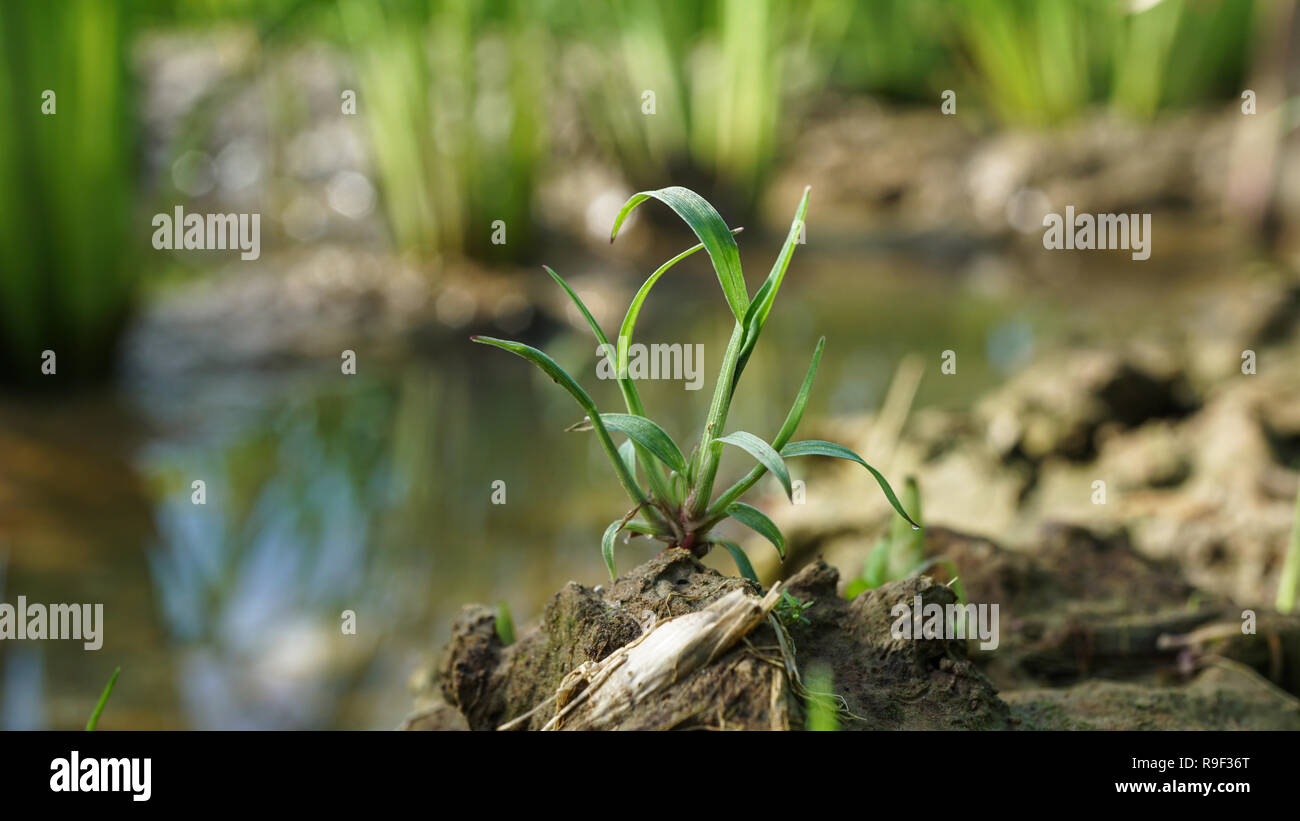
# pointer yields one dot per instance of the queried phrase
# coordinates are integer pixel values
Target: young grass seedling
(789, 609)
(677, 505)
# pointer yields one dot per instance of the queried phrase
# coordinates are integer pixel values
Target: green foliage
(678, 504)
(103, 700)
(456, 138)
(789, 609)
(67, 183)
(821, 702)
(901, 554)
(505, 624)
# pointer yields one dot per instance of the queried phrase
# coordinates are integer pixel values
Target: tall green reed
(67, 182)
(453, 94)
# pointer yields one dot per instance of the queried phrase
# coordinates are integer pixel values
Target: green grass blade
(562, 378)
(907, 544)
(817, 447)
(634, 309)
(876, 570)
(822, 712)
(787, 430)
(738, 556)
(648, 435)
(759, 310)
(631, 397)
(764, 453)
(713, 232)
(505, 624)
(548, 365)
(795, 416)
(103, 700)
(607, 545)
(627, 452)
(756, 520)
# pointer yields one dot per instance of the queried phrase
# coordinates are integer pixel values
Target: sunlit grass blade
(648, 435)
(634, 309)
(764, 453)
(738, 556)
(103, 700)
(817, 447)
(713, 232)
(552, 369)
(759, 310)
(756, 520)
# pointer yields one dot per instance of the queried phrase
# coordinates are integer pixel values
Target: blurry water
(372, 493)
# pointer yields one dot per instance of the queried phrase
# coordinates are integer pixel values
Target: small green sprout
(901, 554)
(789, 609)
(676, 505)
(103, 700)
(505, 624)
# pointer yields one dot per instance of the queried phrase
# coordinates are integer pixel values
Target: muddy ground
(1147, 606)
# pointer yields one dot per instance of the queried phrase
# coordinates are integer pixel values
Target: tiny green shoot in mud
(676, 503)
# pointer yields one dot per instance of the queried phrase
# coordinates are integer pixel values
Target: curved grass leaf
(738, 556)
(562, 378)
(631, 397)
(648, 435)
(713, 232)
(549, 366)
(634, 309)
(756, 520)
(817, 447)
(611, 532)
(764, 453)
(607, 545)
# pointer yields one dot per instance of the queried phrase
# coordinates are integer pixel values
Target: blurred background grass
(460, 101)
(372, 493)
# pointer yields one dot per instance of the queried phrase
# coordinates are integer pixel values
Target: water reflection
(372, 493)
